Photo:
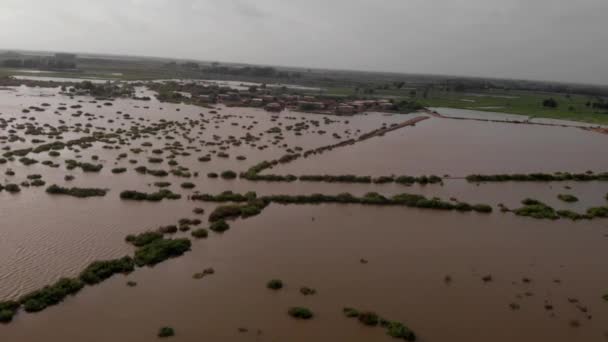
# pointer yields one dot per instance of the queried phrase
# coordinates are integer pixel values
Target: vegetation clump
(76, 192)
(143, 239)
(165, 332)
(372, 198)
(161, 250)
(228, 174)
(200, 233)
(307, 291)
(567, 198)
(8, 309)
(12, 188)
(188, 185)
(393, 329)
(536, 209)
(539, 177)
(275, 284)
(249, 209)
(86, 167)
(219, 226)
(152, 197)
(99, 271)
(300, 312)
(368, 318)
(50, 295)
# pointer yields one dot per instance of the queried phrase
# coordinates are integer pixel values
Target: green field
(570, 107)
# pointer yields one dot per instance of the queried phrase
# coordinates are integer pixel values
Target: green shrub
(144, 238)
(300, 312)
(275, 284)
(12, 188)
(161, 250)
(368, 318)
(171, 229)
(219, 226)
(99, 271)
(153, 197)
(569, 214)
(76, 192)
(307, 291)
(200, 233)
(567, 198)
(8, 309)
(188, 185)
(50, 295)
(536, 209)
(598, 212)
(228, 174)
(350, 312)
(398, 330)
(166, 332)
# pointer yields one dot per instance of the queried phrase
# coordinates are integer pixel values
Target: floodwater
(461, 147)
(410, 251)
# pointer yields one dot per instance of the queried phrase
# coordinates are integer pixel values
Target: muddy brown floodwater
(424, 268)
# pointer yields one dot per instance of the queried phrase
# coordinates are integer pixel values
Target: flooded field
(460, 148)
(447, 275)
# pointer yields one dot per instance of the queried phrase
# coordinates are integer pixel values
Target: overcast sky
(561, 40)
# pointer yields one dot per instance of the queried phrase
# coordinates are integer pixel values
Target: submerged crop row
(372, 198)
(540, 177)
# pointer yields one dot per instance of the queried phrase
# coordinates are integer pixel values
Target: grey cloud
(534, 39)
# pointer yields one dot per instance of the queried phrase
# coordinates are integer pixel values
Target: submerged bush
(300, 312)
(8, 309)
(393, 329)
(200, 233)
(228, 174)
(219, 226)
(188, 185)
(144, 238)
(368, 318)
(99, 271)
(249, 209)
(567, 198)
(398, 330)
(166, 332)
(153, 197)
(350, 312)
(161, 250)
(536, 209)
(539, 177)
(50, 295)
(86, 167)
(76, 192)
(598, 212)
(275, 284)
(12, 188)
